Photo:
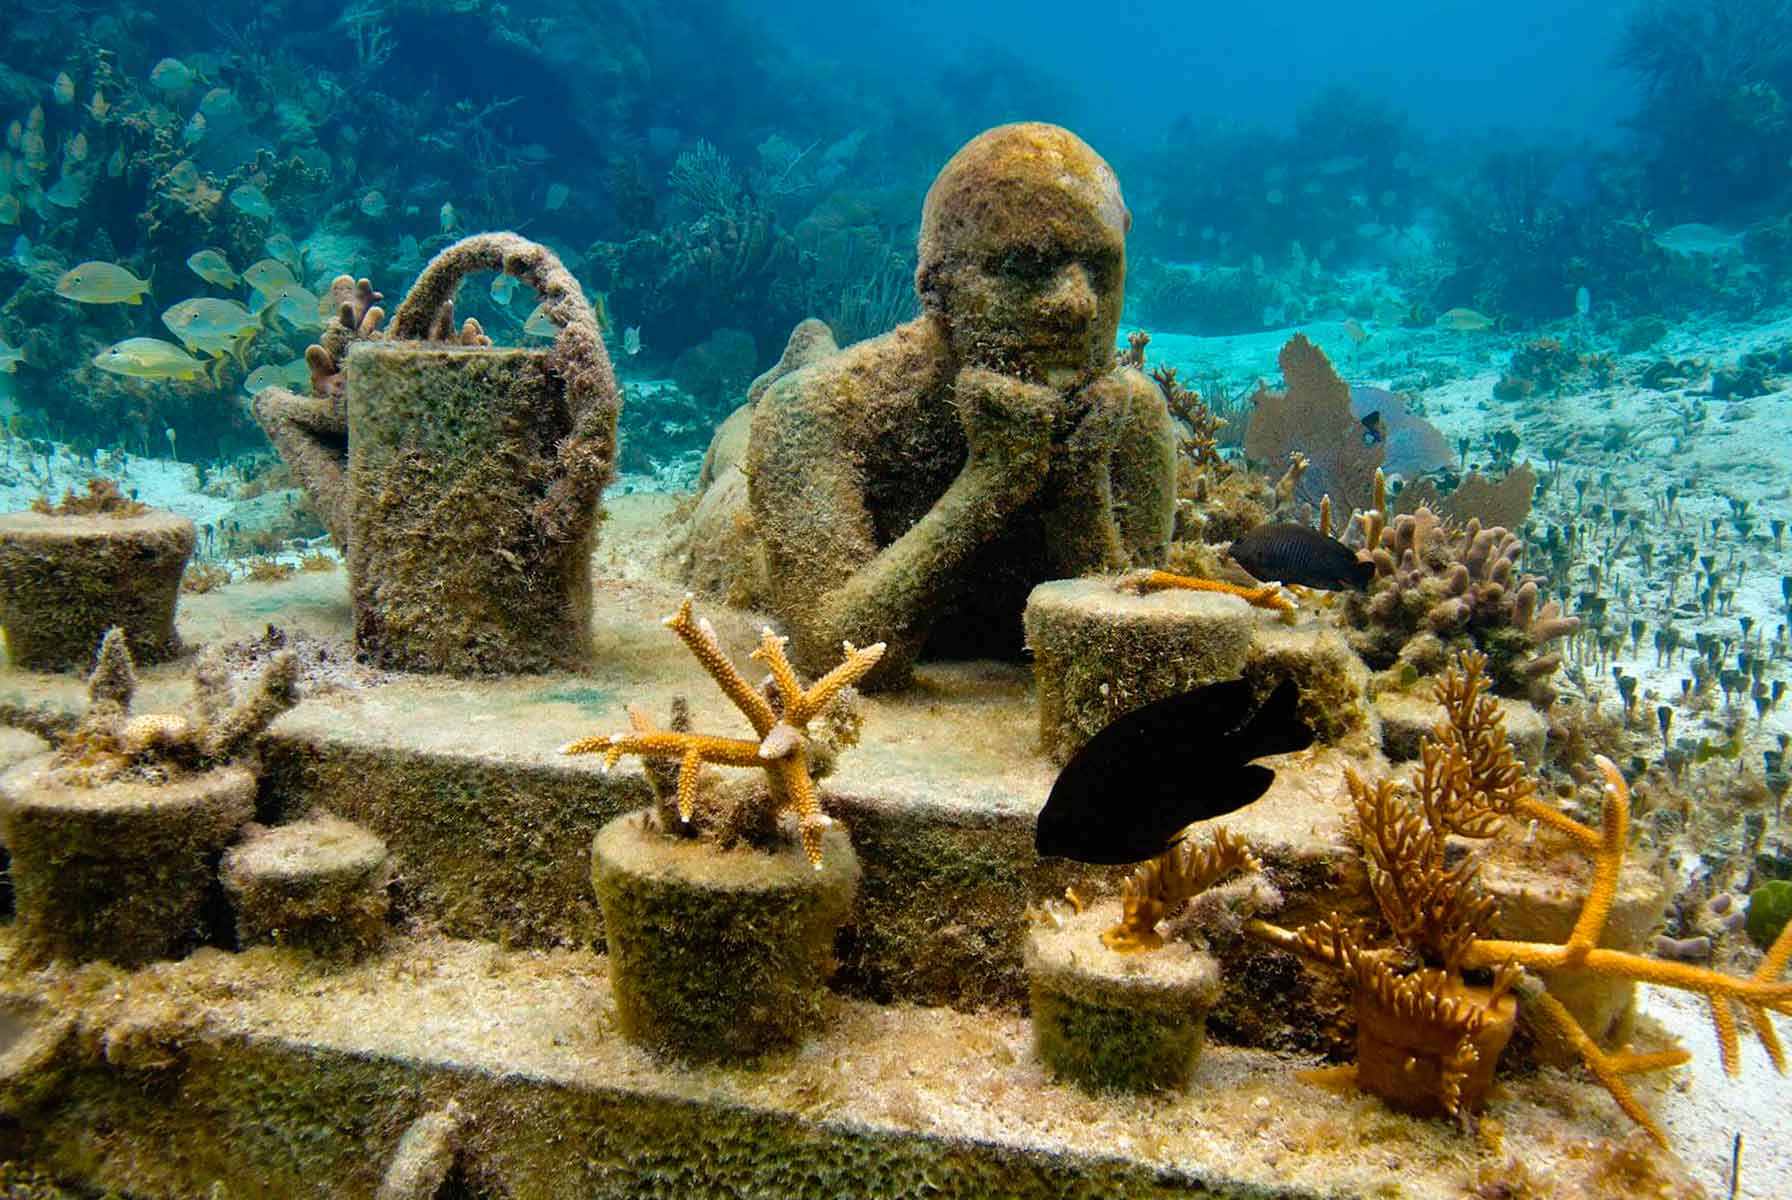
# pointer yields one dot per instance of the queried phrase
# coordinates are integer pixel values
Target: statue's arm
(808, 491)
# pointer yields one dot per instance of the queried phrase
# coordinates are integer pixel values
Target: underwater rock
(66, 579)
(1408, 718)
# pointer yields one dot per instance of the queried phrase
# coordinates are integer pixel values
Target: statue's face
(1044, 312)
(1023, 254)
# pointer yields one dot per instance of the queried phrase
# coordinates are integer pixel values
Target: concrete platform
(253, 1075)
(490, 825)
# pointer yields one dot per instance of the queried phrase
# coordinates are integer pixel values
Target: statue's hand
(1008, 427)
(1099, 412)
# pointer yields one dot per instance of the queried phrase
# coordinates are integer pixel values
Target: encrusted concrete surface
(258, 1074)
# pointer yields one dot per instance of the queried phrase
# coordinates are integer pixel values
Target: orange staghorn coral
(1470, 784)
(780, 716)
(1269, 595)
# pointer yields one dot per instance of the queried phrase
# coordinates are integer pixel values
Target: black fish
(1289, 553)
(1132, 789)
(1373, 430)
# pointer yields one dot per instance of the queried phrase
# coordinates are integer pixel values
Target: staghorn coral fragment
(1156, 889)
(1268, 595)
(781, 719)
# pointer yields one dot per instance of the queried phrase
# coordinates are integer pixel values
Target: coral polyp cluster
(1441, 588)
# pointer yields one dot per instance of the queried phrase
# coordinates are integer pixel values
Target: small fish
(183, 176)
(1132, 789)
(101, 283)
(149, 358)
(63, 90)
(194, 133)
(631, 340)
(539, 324)
(213, 267)
(10, 357)
(1374, 432)
(208, 325)
(15, 134)
(115, 164)
(1583, 301)
(295, 305)
(1464, 320)
(286, 250)
(450, 221)
(252, 200)
(171, 75)
(77, 148)
(556, 197)
(1354, 330)
(1695, 240)
(373, 204)
(67, 192)
(262, 378)
(503, 288)
(9, 209)
(267, 276)
(98, 107)
(1289, 553)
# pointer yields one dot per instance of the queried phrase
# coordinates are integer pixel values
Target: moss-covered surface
(718, 955)
(451, 452)
(319, 884)
(1100, 652)
(257, 1074)
(1331, 678)
(123, 872)
(482, 850)
(1117, 1022)
(65, 580)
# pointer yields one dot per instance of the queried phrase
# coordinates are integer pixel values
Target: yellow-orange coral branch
(700, 639)
(1614, 826)
(1609, 1074)
(1270, 595)
(1548, 956)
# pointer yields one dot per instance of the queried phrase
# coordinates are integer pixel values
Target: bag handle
(587, 454)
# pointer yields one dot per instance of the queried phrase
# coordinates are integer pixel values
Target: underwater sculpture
(1428, 1039)
(917, 485)
(71, 571)
(719, 925)
(469, 503)
(115, 834)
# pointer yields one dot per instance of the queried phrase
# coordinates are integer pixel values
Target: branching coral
(1156, 889)
(1269, 595)
(108, 743)
(781, 714)
(102, 499)
(1470, 784)
(1439, 587)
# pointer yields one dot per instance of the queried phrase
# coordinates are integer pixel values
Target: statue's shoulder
(888, 370)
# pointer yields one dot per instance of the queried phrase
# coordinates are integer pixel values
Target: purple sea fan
(1414, 445)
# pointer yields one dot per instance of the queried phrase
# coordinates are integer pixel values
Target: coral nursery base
(260, 1074)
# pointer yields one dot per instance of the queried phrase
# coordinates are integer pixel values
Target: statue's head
(1023, 254)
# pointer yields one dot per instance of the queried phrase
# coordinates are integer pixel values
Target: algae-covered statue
(914, 487)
